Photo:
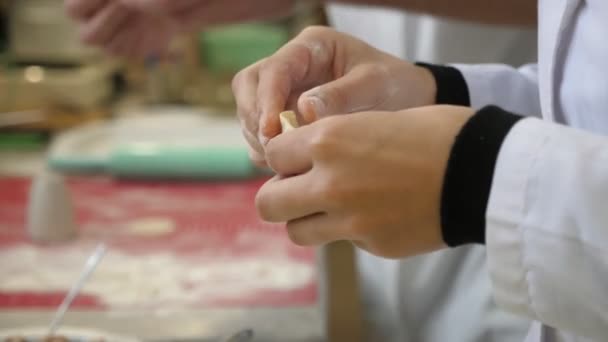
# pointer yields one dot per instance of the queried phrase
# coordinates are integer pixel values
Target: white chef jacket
(547, 216)
(443, 296)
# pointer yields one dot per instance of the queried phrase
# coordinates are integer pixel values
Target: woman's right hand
(320, 73)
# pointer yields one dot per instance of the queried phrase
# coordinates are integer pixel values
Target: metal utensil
(88, 269)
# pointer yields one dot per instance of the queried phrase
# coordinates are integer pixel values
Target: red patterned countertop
(171, 245)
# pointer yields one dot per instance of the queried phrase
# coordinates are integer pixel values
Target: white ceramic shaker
(50, 216)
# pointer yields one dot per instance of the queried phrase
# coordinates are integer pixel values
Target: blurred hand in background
(137, 28)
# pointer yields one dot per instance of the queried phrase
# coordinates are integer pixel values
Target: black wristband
(469, 173)
(452, 89)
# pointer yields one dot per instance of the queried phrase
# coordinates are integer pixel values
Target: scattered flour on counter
(151, 281)
(151, 226)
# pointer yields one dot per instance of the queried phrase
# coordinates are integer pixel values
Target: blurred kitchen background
(51, 82)
(148, 158)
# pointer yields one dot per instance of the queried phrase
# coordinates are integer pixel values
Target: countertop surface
(287, 324)
(300, 321)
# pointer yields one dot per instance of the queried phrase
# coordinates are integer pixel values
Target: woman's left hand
(373, 178)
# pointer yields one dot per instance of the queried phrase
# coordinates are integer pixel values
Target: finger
(83, 9)
(364, 88)
(102, 28)
(315, 230)
(256, 151)
(163, 6)
(244, 87)
(290, 153)
(158, 43)
(133, 39)
(213, 12)
(140, 44)
(304, 62)
(273, 91)
(292, 105)
(286, 199)
(253, 142)
(158, 22)
(118, 46)
(257, 159)
(123, 45)
(151, 43)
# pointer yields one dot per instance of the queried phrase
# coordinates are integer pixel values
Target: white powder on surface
(151, 281)
(150, 226)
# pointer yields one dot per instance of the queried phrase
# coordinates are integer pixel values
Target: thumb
(143, 5)
(366, 87)
(158, 6)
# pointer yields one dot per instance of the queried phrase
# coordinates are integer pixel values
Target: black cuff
(452, 89)
(469, 173)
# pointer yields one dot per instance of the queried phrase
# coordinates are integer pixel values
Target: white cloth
(547, 218)
(436, 40)
(444, 296)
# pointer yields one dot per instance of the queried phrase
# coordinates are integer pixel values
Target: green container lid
(232, 48)
(211, 163)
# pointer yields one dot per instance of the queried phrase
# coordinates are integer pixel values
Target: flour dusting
(149, 281)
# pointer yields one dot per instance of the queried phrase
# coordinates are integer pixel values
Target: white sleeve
(547, 227)
(515, 90)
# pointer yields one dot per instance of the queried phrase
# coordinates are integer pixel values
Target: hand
(136, 28)
(323, 72)
(373, 178)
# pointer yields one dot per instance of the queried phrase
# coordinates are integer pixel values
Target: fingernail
(261, 129)
(317, 105)
(262, 138)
